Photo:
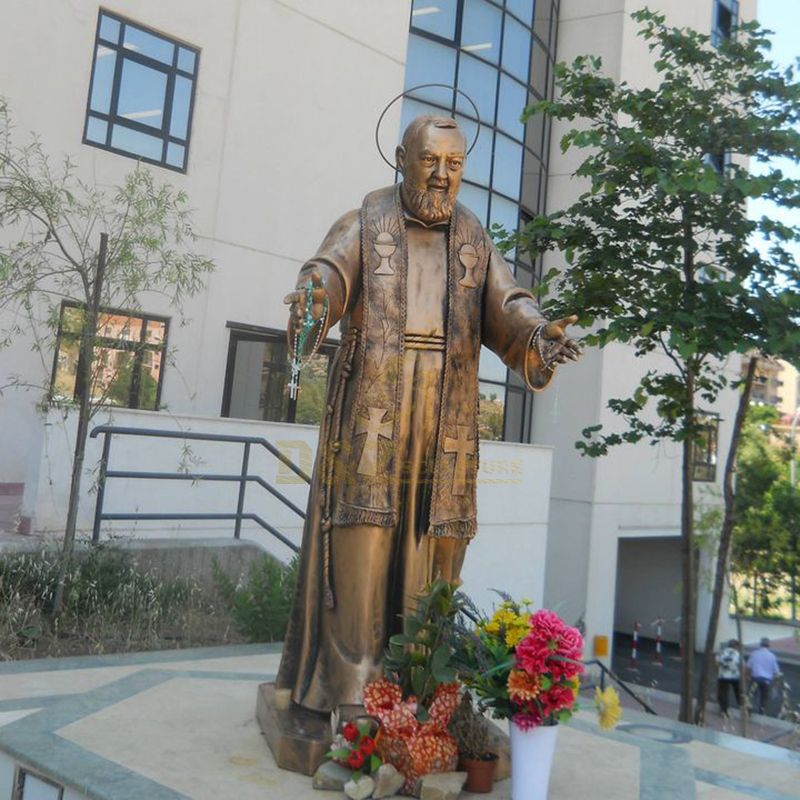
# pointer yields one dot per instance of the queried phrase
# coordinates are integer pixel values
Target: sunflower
(607, 705)
(523, 687)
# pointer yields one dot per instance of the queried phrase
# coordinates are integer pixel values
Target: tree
(659, 250)
(99, 248)
(765, 543)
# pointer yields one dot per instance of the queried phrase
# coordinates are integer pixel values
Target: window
(719, 160)
(141, 95)
(28, 786)
(257, 378)
(127, 358)
(725, 19)
(705, 449)
(501, 53)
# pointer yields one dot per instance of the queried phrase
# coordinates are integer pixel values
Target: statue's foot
(297, 737)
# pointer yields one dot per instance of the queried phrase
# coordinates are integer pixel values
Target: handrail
(243, 478)
(207, 437)
(604, 670)
(207, 476)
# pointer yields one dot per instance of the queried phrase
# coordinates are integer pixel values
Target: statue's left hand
(555, 346)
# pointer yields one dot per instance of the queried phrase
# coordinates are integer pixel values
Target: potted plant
(417, 698)
(471, 731)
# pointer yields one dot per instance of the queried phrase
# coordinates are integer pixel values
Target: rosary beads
(301, 338)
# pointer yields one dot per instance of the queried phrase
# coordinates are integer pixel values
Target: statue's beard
(428, 205)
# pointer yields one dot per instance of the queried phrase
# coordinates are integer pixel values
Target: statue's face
(432, 166)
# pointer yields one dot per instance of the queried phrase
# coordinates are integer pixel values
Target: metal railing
(604, 670)
(242, 478)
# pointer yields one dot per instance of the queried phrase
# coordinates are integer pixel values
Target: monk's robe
(392, 500)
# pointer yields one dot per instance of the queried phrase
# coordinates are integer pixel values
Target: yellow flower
(500, 619)
(517, 631)
(607, 705)
(522, 686)
(508, 624)
(576, 686)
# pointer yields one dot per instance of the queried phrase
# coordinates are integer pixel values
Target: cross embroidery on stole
(374, 427)
(463, 446)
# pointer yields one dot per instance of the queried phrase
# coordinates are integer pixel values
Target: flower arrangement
(355, 747)
(417, 698)
(523, 665)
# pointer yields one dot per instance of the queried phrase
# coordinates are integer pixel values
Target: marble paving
(163, 726)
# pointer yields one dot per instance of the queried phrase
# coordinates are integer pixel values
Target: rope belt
(424, 341)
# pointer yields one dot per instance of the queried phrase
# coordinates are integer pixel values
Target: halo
(414, 89)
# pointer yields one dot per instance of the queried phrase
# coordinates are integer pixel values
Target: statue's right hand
(296, 301)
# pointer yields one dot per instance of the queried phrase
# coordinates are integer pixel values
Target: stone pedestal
(297, 738)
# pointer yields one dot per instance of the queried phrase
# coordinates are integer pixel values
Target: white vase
(531, 758)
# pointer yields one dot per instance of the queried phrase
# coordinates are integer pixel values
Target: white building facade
(264, 112)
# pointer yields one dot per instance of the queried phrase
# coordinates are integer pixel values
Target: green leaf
(339, 754)
(441, 655)
(417, 680)
(445, 675)
(374, 762)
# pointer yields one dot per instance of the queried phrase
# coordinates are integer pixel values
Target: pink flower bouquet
(523, 666)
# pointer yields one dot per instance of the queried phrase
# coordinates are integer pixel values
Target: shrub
(111, 605)
(261, 603)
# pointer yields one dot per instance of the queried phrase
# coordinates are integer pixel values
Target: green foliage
(420, 658)
(484, 661)
(311, 396)
(104, 577)
(491, 415)
(111, 605)
(262, 603)
(765, 539)
(659, 253)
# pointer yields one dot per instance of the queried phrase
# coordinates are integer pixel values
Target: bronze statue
(417, 287)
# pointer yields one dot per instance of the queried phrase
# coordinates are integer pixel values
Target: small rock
(442, 785)
(500, 743)
(360, 789)
(331, 776)
(388, 781)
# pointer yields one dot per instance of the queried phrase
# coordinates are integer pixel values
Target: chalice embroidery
(468, 256)
(385, 246)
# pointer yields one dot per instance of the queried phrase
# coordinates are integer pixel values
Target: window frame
(138, 348)
(171, 71)
(705, 471)
(21, 773)
(240, 331)
(732, 7)
(534, 142)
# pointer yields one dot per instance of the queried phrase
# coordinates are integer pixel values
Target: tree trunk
(688, 588)
(726, 534)
(84, 379)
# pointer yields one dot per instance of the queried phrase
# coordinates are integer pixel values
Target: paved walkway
(180, 724)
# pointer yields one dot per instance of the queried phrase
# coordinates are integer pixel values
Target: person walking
(763, 668)
(728, 673)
